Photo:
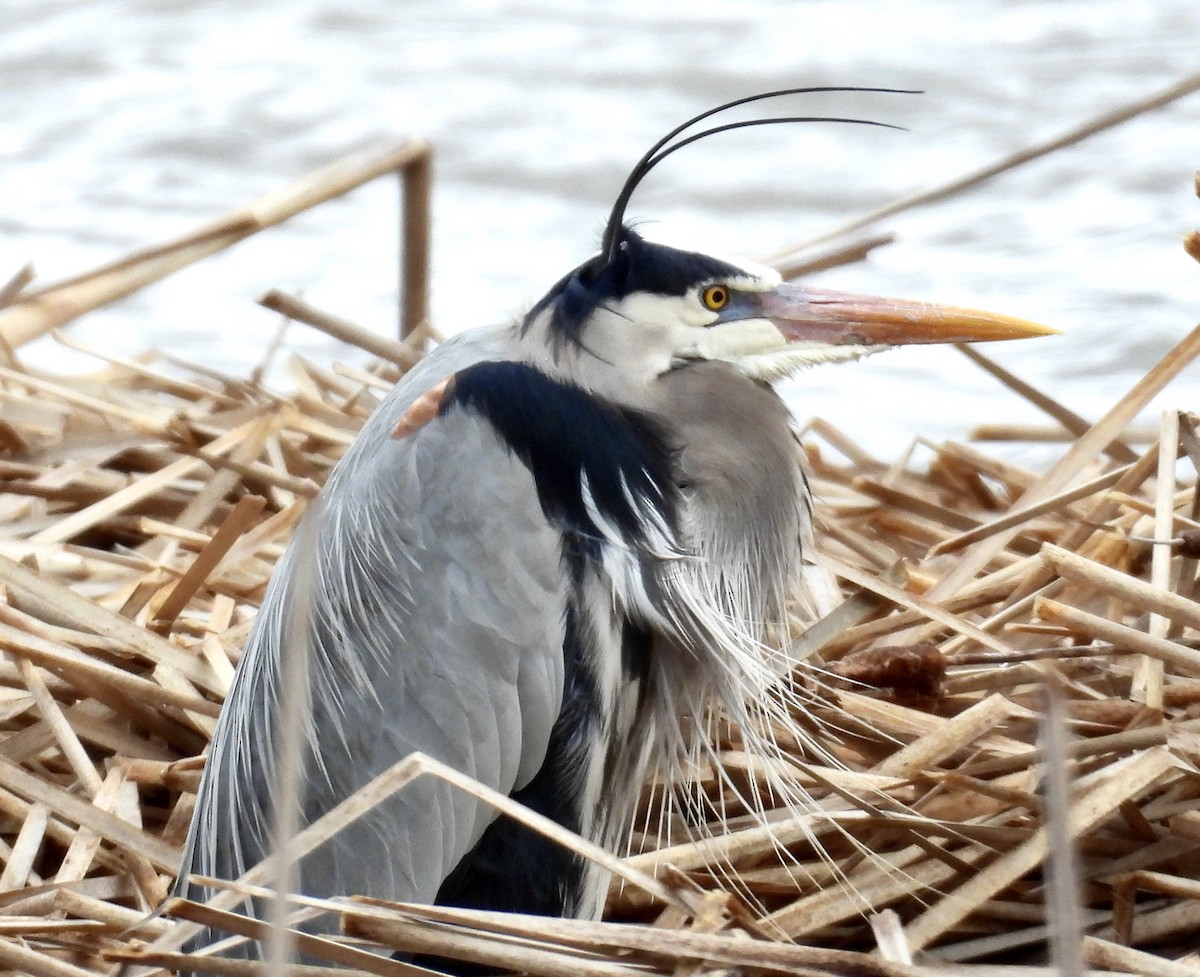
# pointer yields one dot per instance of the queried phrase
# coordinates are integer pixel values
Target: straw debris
(142, 514)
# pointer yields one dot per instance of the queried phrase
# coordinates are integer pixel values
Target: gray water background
(126, 122)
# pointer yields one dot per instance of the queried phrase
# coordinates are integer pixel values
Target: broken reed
(142, 513)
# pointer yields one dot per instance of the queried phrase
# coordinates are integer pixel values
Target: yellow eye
(715, 297)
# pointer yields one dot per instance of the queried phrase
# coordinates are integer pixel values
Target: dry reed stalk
(34, 313)
(1050, 433)
(403, 354)
(1106, 120)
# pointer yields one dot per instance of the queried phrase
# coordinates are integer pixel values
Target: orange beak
(805, 314)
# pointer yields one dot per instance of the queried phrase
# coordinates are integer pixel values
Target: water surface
(129, 122)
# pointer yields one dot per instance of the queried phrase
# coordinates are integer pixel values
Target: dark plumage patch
(637, 643)
(637, 265)
(563, 434)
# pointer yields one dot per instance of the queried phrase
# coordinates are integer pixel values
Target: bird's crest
(627, 262)
(679, 137)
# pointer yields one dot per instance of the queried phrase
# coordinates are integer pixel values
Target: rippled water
(129, 122)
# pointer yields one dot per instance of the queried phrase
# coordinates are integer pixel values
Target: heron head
(641, 306)
(663, 306)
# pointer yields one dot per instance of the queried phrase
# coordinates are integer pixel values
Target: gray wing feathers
(436, 623)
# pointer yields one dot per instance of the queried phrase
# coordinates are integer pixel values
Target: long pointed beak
(804, 314)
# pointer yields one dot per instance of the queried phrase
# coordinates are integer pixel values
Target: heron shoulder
(456, 353)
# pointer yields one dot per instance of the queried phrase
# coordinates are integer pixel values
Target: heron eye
(715, 297)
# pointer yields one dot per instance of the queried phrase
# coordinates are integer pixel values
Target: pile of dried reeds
(141, 514)
(1017, 690)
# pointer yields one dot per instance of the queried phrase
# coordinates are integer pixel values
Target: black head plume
(627, 263)
(665, 146)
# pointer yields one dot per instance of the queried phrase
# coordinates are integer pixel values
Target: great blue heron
(552, 540)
